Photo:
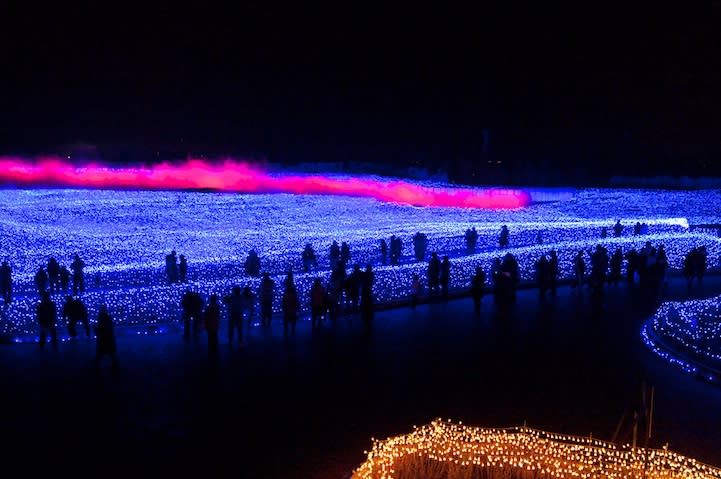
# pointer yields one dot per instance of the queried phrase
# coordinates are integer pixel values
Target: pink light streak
(239, 177)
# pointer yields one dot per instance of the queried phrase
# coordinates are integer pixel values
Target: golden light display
(454, 451)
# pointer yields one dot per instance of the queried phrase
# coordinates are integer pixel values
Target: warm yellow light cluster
(446, 449)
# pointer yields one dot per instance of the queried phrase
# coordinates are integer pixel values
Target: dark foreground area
(307, 406)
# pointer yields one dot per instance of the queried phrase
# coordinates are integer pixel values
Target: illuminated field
(448, 450)
(687, 334)
(123, 236)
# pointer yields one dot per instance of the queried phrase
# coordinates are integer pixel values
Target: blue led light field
(123, 237)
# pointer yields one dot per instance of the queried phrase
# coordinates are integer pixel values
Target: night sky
(633, 88)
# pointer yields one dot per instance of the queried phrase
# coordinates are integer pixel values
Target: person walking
(47, 316)
(235, 303)
(105, 337)
(290, 308)
(211, 320)
(478, 283)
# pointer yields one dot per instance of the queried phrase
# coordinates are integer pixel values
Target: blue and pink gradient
(234, 176)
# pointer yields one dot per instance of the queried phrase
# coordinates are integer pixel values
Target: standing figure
(192, 304)
(553, 270)
(211, 320)
(434, 272)
(248, 303)
(334, 255)
(105, 337)
(420, 245)
(579, 268)
(47, 317)
(235, 303)
(267, 289)
(384, 251)
(54, 275)
(542, 274)
(6, 282)
(478, 283)
(77, 267)
(183, 268)
(616, 262)
(171, 267)
(252, 263)
(309, 259)
(471, 239)
(618, 229)
(290, 307)
(41, 280)
(344, 253)
(366, 294)
(317, 303)
(64, 278)
(445, 275)
(503, 238)
(71, 316)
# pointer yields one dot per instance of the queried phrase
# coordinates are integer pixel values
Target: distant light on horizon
(240, 177)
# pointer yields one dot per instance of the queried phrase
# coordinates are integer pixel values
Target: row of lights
(160, 303)
(518, 450)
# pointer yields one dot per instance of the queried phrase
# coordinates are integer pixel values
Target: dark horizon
(614, 92)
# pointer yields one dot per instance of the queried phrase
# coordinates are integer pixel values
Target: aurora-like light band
(233, 176)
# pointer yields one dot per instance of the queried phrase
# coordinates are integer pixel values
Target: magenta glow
(234, 176)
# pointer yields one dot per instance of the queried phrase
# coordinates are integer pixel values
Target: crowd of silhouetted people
(347, 290)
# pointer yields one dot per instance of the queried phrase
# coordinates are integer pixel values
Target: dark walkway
(308, 406)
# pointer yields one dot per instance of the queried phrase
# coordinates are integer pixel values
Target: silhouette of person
(211, 320)
(434, 271)
(334, 255)
(290, 307)
(248, 303)
(617, 229)
(478, 283)
(53, 275)
(309, 259)
(69, 316)
(267, 289)
(553, 271)
(579, 268)
(317, 303)
(352, 287)
(471, 239)
(503, 238)
(235, 303)
(105, 337)
(445, 275)
(183, 268)
(47, 317)
(41, 280)
(6, 282)
(64, 278)
(171, 267)
(384, 251)
(344, 253)
(252, 264)
(77, 267)
(420, 244)
(366, 296)
(616, 262)
(192, 305)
